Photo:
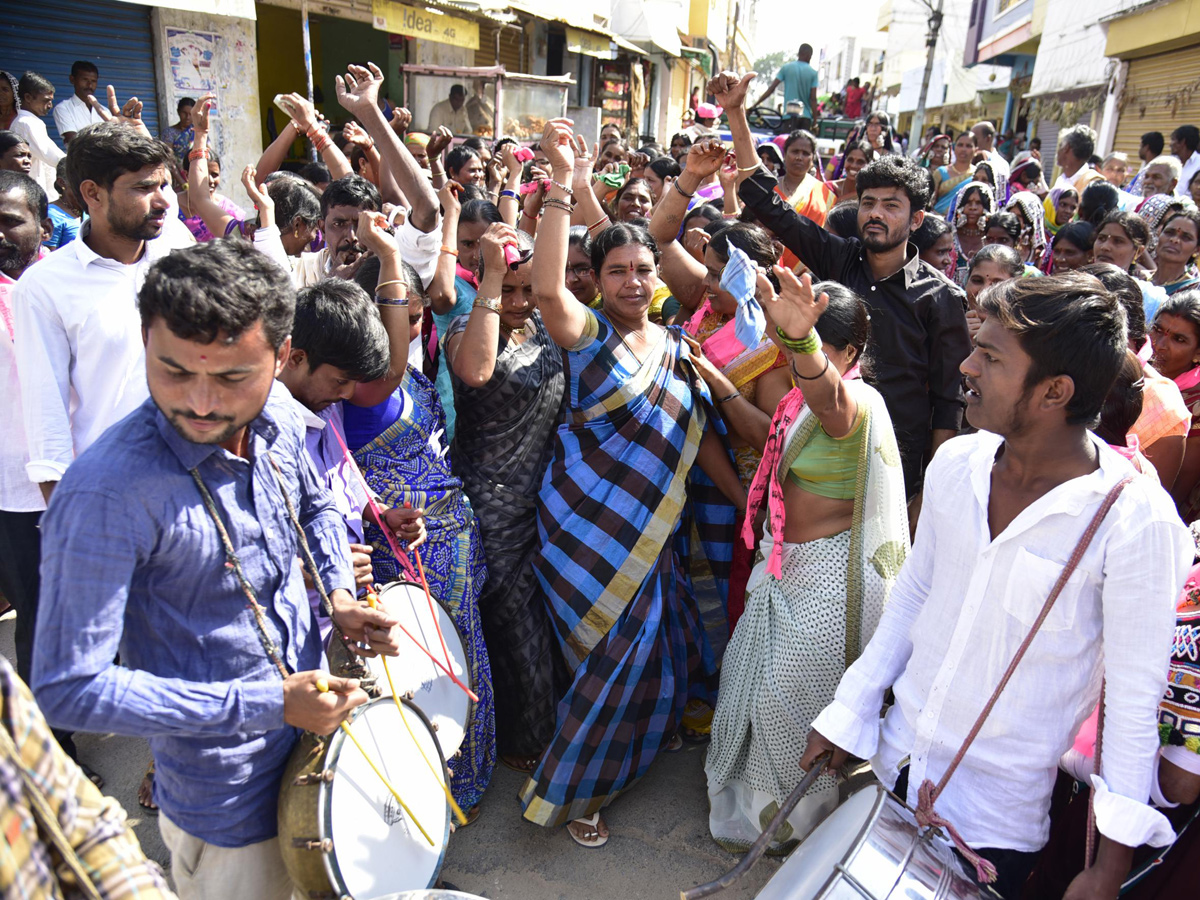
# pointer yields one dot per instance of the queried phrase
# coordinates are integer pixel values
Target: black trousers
(20, 581)
(1013, 867)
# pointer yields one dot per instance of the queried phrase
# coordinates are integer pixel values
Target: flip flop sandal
(523, 764)
(92, 775)
(592, 822)
(472, 815)
(675, 744)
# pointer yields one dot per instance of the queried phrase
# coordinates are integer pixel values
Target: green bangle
(807, 345)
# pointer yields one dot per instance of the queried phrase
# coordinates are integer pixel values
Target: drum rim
(860, 839)
(469, 675)
(325, 799)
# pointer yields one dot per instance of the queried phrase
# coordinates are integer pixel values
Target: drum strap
(928, 792)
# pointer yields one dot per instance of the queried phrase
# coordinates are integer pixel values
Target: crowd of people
(588, 380)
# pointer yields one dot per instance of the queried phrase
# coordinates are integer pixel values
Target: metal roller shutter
(1150, 102)
(511, 39)
(115, 36)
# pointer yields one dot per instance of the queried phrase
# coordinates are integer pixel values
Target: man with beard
(918, 327)
(80, 356)
(1004, 510)
(175, 541)
(341, 204)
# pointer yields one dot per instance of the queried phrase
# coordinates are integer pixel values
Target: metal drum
(445, 703)
(870, 848)
(341, 832)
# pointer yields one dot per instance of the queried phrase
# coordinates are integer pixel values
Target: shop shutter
(1047, 130)
(115, 36)
(510, 47)
(1149, 102)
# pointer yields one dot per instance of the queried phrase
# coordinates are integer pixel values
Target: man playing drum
(175, 540)
(1003, 510)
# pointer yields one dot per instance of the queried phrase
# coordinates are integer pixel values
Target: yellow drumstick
(373, 602)
(323, 687)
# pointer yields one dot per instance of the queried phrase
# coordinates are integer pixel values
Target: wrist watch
(492, 303)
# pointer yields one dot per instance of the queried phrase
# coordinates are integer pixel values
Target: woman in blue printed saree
(611, 561)
(400, 445)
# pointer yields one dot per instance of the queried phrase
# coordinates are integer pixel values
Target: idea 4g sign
(408, 20)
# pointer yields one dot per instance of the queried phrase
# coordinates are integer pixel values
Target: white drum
(445, 703)
(432, 895)
(342, 833)
(870, 848)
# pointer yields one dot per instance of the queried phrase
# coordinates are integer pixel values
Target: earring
(296, 231)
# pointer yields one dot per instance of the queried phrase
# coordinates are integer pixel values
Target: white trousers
(204, 871)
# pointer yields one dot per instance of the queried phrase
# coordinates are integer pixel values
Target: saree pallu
(799, 633)
(947, 189)
(610, 564)
(812, 199)
(501, 449)
(406, 463)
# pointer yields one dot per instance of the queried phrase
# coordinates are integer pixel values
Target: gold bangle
(384, 284)
(749, 168)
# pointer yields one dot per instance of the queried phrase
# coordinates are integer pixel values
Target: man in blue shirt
(799, 80)
(134, 561)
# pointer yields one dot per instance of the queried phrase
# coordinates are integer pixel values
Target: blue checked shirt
(133, 563)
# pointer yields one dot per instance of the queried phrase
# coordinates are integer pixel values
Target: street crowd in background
(873, 402)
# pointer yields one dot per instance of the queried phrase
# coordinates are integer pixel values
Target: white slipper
(591, 822)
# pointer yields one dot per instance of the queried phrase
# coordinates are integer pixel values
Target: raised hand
(558, 146)
(262, 200)
(375, 234)
(354, 133)
(728, 175)
(358, 90)
(729, 88)
(705, 157)
(637, 164)
(448, 197)
(508, 155)
(401, 119)
(585, 164)
(438, 142)
(130, 113)
(695, 241)
(303, 113)
(201, 113)
(492, 244)
(794, 309)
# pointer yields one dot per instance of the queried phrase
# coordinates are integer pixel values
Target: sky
(828, 22)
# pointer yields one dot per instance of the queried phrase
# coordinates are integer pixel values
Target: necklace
(625, 343)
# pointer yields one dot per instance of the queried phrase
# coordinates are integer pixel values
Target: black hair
(1001, 255)
(680, 136)
(1125, 288)
(184, 101)
(899, 172)
(217, 290)
(800, 135)
(665, 167)
(474, 142)
(524, 245)
(458, 89)
(499, 145)
(104, 152)
(1155, 141)
(1135, 227)
(1031, 170)
(10, 139)
(32, 84)
(459, 157)
(351, 190)
(367, 278)
(578, 237)
(623, 189)
(1068, 325)
(845, 322)
(337, 325)
(933, 229)
(1079, 234)
(1097, 200)
(1184, 305)
(35, 196)
(1188, 212)
(862, 147)
(480, 211)
(294, 199)
(212, 157)
(621, 234)
(706, 211)
(842, 220)
(1035, 143)
(1005, 220)
(473, 193)
(1189, 134)
(1123, 404)
(83, 65)
(315, 173)
(753, 240)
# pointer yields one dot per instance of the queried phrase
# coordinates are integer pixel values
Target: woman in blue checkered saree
(613, 554)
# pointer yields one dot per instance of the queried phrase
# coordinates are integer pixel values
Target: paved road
(659, 846)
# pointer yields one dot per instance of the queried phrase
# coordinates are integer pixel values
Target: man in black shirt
(918, 320)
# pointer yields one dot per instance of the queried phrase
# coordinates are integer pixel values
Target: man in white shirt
(75, 112)
(1185, 142)
(80, 354)
(1003, 511)
(451, 112)
(985, 140)
(37, 98)
(1075, 148)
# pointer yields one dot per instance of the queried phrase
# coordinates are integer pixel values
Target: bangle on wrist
(729, 397)
(601, 221)
(450, 250)
(512, 195)
(753, 168)
(566, 189)
(681, 191)
(820, 374)
(555, 203)
(807, 345)
(391, 301)
(384, 284)
(198, 154)
(489, 303)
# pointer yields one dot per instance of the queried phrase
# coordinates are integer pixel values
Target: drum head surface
(377, 848)
(432, 895)
(810, 865)
(444, 702)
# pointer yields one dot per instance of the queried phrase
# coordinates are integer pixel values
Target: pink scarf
(766, 484)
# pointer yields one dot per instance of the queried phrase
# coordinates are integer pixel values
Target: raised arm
(353, 132)
(215, 219)
(588, 212)
(358, 93)
(681, 271)
(277, 151)
(308, 123)
(439, 140)
(441, 291)
(472, 352)
(129, 113)
(509, 201)
(391, 299)
(565, 317)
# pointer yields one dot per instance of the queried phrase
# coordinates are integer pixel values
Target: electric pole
(935, 26)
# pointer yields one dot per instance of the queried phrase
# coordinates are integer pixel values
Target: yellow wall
(280, 60)
(1155, 31)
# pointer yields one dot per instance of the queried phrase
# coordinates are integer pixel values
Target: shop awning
(239, 9)
(578, 23)
(648, 24)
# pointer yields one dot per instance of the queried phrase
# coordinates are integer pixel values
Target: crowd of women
(617, 393)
